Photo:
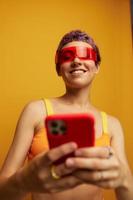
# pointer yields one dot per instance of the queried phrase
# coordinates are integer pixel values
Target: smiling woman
(77, 35)
(77, 63)
(92, 168)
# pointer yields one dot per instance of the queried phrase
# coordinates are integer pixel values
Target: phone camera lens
(62, 129)
(54, 124)
(55, 132)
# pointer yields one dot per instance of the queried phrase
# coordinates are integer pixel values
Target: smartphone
(64, 128)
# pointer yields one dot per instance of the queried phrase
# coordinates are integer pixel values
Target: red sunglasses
(68, 54)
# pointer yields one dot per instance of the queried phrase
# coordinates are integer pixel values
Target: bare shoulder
(114, 125)
(31, 115)
(35, 106)
(34, 111)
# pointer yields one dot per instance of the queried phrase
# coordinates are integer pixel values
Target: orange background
(29, 34)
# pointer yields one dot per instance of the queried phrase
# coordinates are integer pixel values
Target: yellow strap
(104, 122)
(50, 111)
(49, 108)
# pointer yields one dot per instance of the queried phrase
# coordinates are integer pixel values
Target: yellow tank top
(40, 141)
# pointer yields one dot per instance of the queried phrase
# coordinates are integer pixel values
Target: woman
(102, 166)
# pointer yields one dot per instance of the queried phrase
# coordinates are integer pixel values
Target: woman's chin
(78, 84)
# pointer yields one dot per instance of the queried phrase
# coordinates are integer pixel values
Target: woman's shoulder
(34, 105)
(114, 125)
(34, 109)
(113, 120)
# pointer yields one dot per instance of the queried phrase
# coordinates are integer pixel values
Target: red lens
(68, 54)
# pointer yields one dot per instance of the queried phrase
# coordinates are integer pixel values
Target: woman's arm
(125, 190)
(15, 180)
(11, 187)
(10, 184)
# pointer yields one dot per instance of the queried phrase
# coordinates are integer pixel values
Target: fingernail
(69, 162)
(74, 145)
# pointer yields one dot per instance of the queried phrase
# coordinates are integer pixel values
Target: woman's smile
(78, 71)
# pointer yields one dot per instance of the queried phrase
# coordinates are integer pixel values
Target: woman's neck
(79, 97)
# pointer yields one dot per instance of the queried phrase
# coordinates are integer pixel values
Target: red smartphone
(64, 128)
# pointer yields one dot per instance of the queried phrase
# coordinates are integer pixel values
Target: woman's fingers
(93, 152)
(94, 176)
(92, 163)
(108, 184)
(94, 158)
(58, 152)
(65, 183)
(61, 170)
(43, 179)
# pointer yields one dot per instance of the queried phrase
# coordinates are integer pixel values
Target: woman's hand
(99, 166)
(38, 176)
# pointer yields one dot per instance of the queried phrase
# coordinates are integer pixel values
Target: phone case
(64, 128)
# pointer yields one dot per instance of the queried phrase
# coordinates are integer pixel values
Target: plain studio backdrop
(29, 34)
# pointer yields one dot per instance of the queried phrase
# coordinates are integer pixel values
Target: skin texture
(92, 168)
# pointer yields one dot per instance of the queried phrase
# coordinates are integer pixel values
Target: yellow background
(29, 34)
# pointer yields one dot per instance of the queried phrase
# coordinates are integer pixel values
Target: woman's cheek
(90, 66)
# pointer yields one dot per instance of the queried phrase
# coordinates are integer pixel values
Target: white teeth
(77, 72)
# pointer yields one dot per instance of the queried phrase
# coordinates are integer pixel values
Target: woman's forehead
(77, 43)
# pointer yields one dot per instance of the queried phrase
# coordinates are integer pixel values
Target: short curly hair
(77, 35)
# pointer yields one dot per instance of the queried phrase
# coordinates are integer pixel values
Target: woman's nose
(77, 61)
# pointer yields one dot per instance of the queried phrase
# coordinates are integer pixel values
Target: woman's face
(78, 71)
